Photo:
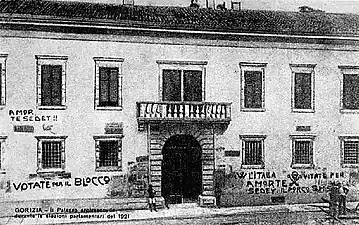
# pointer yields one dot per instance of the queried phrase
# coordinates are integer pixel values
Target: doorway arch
(182, 167)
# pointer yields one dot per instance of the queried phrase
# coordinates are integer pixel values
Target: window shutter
(171, 85)
(192, 85)
(104, 83)
(351, 91)
(45, 85)
(253, 89)
(303, 91)
(56, 85)
(113, 87)
(1, 87)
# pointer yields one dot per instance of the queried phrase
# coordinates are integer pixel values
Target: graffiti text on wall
(28, 115)
(76, 182)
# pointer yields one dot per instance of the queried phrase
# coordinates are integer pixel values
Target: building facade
(98, 101)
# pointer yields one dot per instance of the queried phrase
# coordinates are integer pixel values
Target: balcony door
(181, 168)
(182, 85)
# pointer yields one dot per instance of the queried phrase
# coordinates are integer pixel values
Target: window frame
(40, 140)
(51, 60)
(3, 59)
(342, 140)
(108, 62)
(243, 139)
(307, 69)
(2, 154)
(108, 137)
(181, 65)
(251, 66)
(346, 70)
(310, 138)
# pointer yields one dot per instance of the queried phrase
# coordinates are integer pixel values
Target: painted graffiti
(77, 182)
(269, 182)
(28, 115)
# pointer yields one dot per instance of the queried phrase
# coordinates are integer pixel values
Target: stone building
(99, 100)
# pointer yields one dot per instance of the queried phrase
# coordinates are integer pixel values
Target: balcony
(202, 112)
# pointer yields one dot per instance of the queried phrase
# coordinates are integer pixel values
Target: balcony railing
(184, 111)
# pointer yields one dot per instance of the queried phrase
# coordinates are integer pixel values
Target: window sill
(51, 174)
(109, 108)
(2, 107)
(2, 171)
(252, 166)
(253, 110)
(303, 111)
(109, 169)
(302, 166)
(349, 111)
(52, 107)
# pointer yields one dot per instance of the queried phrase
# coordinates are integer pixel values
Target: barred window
(109, 153)
(51, 153)
(350, 151)
(302, 151)
(252, 86)
(253, 151)
(108, 150)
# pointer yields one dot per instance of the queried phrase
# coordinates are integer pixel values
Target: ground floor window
(252, 151)
(108, 152)
(51, 153)
(2, 151)
(350, 151)
(302, 150)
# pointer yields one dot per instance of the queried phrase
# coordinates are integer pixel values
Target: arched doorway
(182, 168)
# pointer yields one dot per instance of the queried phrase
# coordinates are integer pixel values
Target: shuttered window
(182, 85)
(302, 91)
(253, 152)
(1, 159)
(253, 89)
(351, 91)
(51, 154)
(1, 87)
(51, 85)
(109, 86)
(303, 152)
(351, 151)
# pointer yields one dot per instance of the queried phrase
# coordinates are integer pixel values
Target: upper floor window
(252, 151)
(350, 151)
(108, 152)
(51, 153)
(51, 81)
(302, 87)
(349, 88)
(182, 80)
(108, 83)
(3, 58)
(2, 153)
(252, 86)
(302, 151)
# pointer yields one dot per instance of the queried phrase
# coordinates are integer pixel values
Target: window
(302, 87)
(302, 151)
(182, 80)
(108, 152)
(350, 151)
(2, 153)
(51, 82)
(51, 153)
(252, 86)
(350, 88)
(108, 83)
(3, 58)
(252, 151)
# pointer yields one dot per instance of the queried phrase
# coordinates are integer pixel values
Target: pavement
(180, 211)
